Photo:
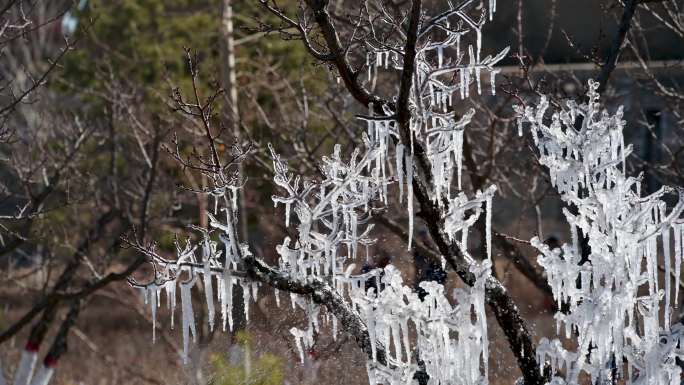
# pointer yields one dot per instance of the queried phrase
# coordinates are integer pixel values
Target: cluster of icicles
(332, 216)
(452, 346)
(614, 303)
(450, 340)
(443, 72)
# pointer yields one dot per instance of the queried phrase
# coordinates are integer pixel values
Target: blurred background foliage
(267, 369)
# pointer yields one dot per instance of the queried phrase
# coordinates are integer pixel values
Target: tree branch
(338, 57)
(616, 46)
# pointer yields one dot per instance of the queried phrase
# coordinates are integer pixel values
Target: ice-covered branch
(617, 310)
(451, 341)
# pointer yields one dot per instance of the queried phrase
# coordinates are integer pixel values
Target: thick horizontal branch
(321, 293)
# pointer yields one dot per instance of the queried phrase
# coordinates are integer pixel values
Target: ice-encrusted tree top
(613, 305)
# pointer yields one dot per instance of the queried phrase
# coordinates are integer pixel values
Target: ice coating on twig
(464, 212)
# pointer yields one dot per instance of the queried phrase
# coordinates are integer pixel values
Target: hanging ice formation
(451, 339)
(443, 71)
(214, 265)
(614, 299)
(332, 217)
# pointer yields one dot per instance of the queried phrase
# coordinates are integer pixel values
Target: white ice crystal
(464, 212)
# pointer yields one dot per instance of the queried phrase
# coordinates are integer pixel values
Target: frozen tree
(414, 143)
(614, 298)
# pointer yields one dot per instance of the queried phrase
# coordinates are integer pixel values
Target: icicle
(492, 80)
(666, 259)
(488, 225)
(287, 214)
(234, 198)
(208, 291)
(334, 328)
(188, 317)
(372, 335)
(245, 298)
(459, 156)
(677, 228)
(370, 67)
(622, 152)
(276, 293)
(652, 263)
(385, 335)
(227, 300)
(255, 290)
(231, 236)
(405, 337)
(409, 192)
(400, 172)
(431, 92)
(473, 61)
(170, 287)
(464, 239)
(152, 292)
(298, 341)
